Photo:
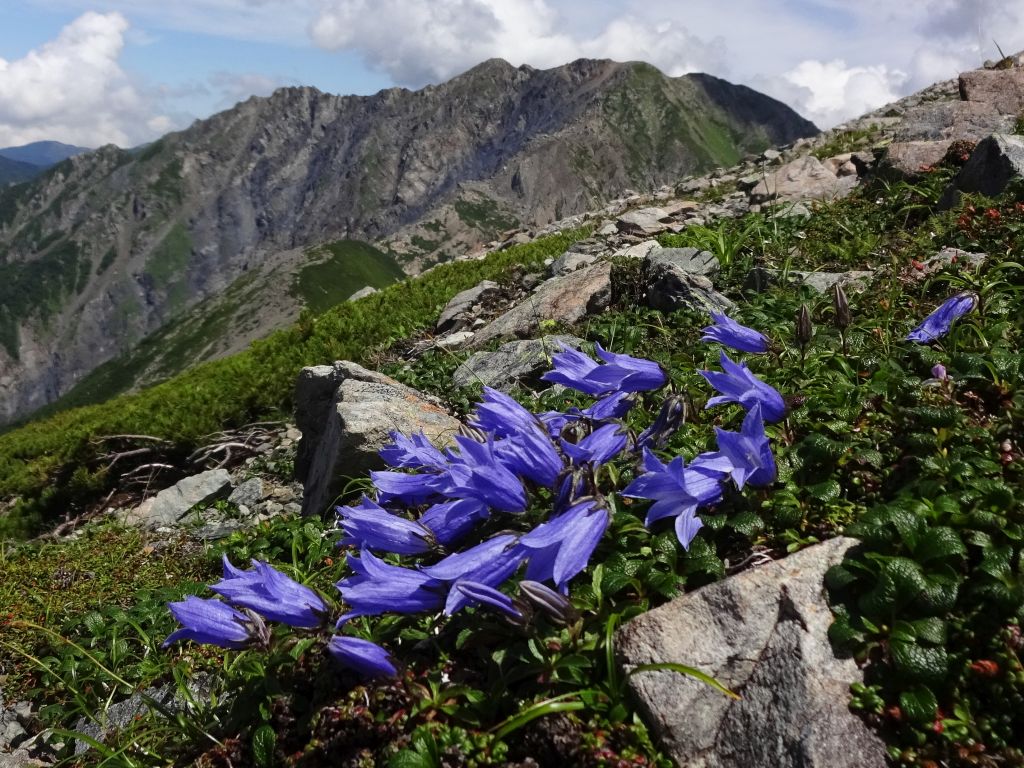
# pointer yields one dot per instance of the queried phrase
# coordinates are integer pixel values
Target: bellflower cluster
(730, 333)
(412, 539)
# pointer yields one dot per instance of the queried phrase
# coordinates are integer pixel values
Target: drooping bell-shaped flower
(271, 594)
(747, 452)
(737, 384)
(366, 658)
(369, 526)
(741, 338)
(561, 547)
(938, 323)
(619, 373)
(377, 587)
(214, 622)
(599, 447)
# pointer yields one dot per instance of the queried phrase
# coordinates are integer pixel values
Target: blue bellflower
(746, 455)
(413, 452)
(377, 587)
(619, 373)
(561, 547)
(938, 323)
(490, 563)
(741, 338)
(476, 592)
(476, 473)
(213, 622)
(370, 526)
(366, 658)
(677, 491)
(599, 447)
(738, 385)
(450, 520)
(271, 594)
(525, 448)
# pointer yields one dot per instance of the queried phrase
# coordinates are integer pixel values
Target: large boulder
(644, 222)
(566, 299)
(341, 439)
(996, 161)
(516, 363)
(764, 634)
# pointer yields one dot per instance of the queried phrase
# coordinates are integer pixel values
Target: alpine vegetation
(519, 494)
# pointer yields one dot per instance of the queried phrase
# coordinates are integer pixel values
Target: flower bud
(842, 307)
(804, 328)
(939, 372)
(556, 606)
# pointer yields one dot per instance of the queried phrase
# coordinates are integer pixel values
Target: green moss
(424, 245)
(847, 141)
(169, 260)
(349, 266)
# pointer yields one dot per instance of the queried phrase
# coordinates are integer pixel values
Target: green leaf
(748, 523)
(919, 704)
(409, 759)
(829, 490)
(264, 740)
(939, 543)
(931, 630)
(684, 670)
(918, 664)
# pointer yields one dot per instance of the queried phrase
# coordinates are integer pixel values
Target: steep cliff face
(107, 247)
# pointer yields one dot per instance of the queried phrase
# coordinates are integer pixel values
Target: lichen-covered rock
(996, 160)
(677, 278)
(345, 436)
(764, 634)
(759, 278)
(457, 313)
(644, 221)
(566, 299)
(172, 504)
(1001, 88)
(517, 363)
(802, 179)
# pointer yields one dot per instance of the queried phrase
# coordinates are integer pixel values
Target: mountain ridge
(132, 239)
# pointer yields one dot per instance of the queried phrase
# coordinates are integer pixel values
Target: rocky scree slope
(107, 247)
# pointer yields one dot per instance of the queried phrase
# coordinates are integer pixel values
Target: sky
(92, 72)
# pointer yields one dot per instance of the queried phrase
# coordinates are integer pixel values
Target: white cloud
(415, 42)
(73, 89)
(828, 92)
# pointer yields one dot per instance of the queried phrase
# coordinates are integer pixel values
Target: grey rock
(911, 158)
(168, 507)
(454, 340)
(759, 278)
(771, 155)
(691, 260)
(362, 293)
(456, 314)
(764, 634)
(802, 179)
(948, 256)
(566, 299)
(365, 409)
(670, 286)
(516, 363)
(945, 121)
(996, 161)
(644, 221)
(120, 714)
(638, 251)
(570, 261)
(248, 494)
(1003, 89)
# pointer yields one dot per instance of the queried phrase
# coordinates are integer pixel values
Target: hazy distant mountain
(42, 153)
(106, 248)
(13, 172)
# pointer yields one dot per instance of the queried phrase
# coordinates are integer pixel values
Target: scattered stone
(670, 286)
(996, 160)
(1003, 89)
(644, 221)
(362, 293)
(607, 229)
(517, 363)
(454, 340)
(912, 158)
(948, 256)
(771, 156)
(802, 179)
(764, 634)
(457, 313)
(691, 260)
(248, 494)
(120, 715)
(168, 507)
(366, 407)
(638, 251)
(570, 261)
(566, 299)
(759, 278)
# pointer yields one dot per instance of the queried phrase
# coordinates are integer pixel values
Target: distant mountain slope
(14, 172)
(108, 247)
(42, 153)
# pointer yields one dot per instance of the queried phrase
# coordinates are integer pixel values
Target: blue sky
(126, 71)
